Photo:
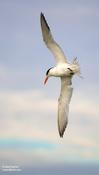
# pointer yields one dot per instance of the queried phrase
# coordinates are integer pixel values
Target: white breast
(60, 70)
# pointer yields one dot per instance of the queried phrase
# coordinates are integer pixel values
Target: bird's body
(60, 70)
(64, 70)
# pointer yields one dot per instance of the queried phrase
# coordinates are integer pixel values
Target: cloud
(25, 113)
(30, 115)
(34, 108)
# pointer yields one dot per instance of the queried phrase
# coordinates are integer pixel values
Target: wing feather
(63, 104)
(49, 41)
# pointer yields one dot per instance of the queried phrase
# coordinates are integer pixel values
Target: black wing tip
(61, 134)
(42, 14)
(42, 17)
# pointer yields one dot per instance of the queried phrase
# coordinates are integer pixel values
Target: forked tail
(75, 67)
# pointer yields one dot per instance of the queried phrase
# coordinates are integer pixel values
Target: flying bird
(64, 70)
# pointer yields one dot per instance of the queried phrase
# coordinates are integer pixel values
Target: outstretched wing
(49, 41)
(63, 103)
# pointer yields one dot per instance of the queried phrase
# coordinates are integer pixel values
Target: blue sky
(28, 112)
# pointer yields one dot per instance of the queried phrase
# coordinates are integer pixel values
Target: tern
(64, 70)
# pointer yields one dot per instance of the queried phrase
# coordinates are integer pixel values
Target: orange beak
(46, 79)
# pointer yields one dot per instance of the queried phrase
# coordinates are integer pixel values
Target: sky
(29, 136)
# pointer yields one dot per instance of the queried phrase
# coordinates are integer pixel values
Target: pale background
(28, 110)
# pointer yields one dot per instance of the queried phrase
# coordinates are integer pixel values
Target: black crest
(48, 71)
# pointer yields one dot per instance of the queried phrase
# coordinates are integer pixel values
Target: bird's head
(48, 74)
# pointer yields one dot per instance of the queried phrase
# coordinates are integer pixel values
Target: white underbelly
(60, 71)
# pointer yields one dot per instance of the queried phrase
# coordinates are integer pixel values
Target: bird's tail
(75, 67)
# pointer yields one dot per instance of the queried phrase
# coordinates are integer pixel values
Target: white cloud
(30, 114)
(25, 113)
(33, 108)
